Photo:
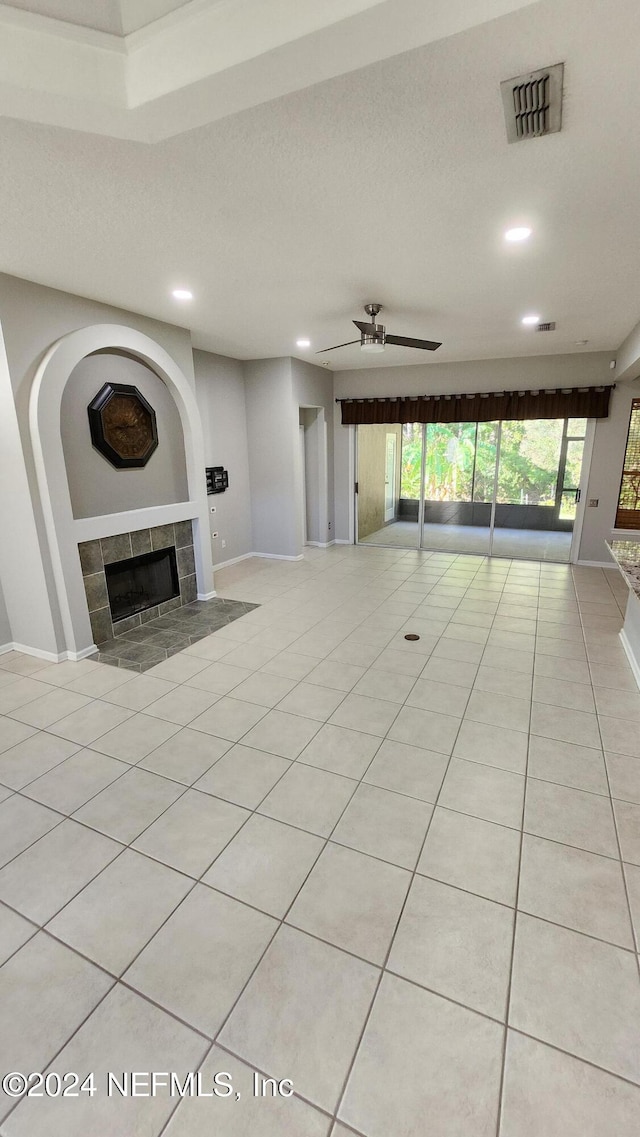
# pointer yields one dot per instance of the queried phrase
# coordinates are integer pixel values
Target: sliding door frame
(576, 535)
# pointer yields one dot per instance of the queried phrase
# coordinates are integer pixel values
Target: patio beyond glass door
(537, 488)
(459, 475)
(508, 489)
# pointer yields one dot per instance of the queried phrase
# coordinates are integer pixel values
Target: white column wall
(30, 607)
(272, 432)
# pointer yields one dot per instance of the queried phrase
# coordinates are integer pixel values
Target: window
(628, 513)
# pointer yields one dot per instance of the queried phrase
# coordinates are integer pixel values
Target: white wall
(220, 391)
(272, 431)
(628, 356)
(97, 487)
(5, 628)
(585, 369)
(250, 419)
(312, 477)
(32, 318)
(27, 581)
(313, 387)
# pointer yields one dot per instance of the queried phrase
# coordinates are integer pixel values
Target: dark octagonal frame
(96, 426)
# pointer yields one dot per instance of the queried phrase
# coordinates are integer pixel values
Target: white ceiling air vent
(548, 327)
(533, 103)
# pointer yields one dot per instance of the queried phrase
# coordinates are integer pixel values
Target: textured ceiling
(392, 183)
(116, 16)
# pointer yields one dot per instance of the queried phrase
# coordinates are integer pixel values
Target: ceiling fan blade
(336, 346)
(367, 329)
(407, 341)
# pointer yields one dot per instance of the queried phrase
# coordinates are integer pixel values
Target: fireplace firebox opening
(141, 582)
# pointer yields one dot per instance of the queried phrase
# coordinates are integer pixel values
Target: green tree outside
(529, 461)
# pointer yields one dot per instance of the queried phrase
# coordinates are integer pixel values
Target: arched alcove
(96, 486)
(64, 532)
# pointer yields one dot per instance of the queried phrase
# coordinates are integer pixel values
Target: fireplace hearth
(142, 582)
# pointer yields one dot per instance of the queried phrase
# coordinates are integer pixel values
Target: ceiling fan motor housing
(375, 340)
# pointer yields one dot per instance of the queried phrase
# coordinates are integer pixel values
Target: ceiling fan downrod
(372, 337)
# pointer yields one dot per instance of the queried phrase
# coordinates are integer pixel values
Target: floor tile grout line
(258, 1070)
(195, 880)
(128, 846)
(36, 928)
(120, 977)
(283, 919)
(22, 789)
(63, 817)
(88, 745)
(503, 1064)
(181, 726)
(66, 1042)
(118, 980)
(391, 943)
(360, 779)
(634, 938)
(280, 924)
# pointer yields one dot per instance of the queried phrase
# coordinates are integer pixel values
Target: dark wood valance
(569, 402)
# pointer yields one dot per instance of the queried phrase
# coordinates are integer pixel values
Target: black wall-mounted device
(217, 479)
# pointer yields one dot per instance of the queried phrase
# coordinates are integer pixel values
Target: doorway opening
(504, 488)
(313, 488)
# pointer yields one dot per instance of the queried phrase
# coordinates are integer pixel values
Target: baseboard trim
(233, 561)
(342, 541)
(595, 564)
(278, 556)
(77, 656)
(206, 595)
(633, 662)
(37, 652)
(263, 556)
(50, 656)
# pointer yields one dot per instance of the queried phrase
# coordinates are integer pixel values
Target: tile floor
(403, 875)
(152, 642)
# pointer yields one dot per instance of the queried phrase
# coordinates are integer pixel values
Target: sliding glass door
(459, 475)
(506, 488)
(538, 488)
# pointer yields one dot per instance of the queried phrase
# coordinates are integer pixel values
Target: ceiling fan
(373, 337)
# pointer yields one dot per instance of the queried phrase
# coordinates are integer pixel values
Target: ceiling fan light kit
(374, 337)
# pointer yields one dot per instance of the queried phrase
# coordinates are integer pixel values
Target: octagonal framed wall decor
(123, 426)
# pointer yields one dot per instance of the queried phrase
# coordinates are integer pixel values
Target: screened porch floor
(540, 545)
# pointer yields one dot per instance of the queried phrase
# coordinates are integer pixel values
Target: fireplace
(142, 582)
(104, 558)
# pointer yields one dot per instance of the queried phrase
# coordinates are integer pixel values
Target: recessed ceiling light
(581, 343)
(182, 294)
(303, 343)
(530, 319)
(520, 233)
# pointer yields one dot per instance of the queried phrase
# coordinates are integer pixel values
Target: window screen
(628, 514)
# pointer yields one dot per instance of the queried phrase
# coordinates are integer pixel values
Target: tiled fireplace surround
(94, 555)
